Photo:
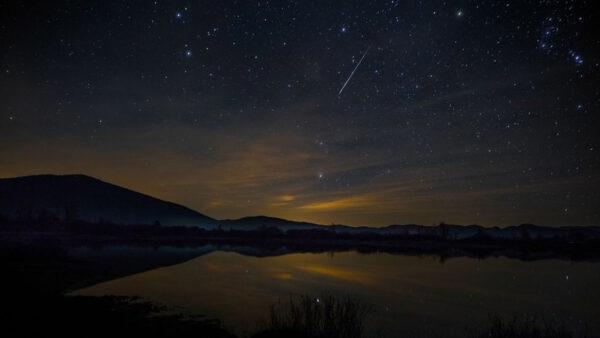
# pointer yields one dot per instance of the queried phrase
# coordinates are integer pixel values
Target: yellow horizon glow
(343, 203)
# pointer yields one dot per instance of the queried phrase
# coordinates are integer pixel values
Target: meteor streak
(349, 77)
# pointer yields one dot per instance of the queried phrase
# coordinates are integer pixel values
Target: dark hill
(42, 199)
(80, 197)
(257, 222)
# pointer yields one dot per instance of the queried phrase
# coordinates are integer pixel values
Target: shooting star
(349, 77)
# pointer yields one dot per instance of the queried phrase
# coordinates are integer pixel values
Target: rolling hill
(83, 198)
(80, 197)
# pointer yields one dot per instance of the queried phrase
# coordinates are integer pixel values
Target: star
(438, 89)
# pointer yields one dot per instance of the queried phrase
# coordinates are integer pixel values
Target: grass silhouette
(528, 327)
(321, 316)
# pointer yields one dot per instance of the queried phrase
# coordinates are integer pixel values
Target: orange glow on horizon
(344, 203)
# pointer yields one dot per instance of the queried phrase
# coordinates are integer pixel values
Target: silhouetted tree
(70, 209)
(24, 211)
(525, 235)
(443, 230)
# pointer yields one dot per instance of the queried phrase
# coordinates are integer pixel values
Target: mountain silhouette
(258, 222)
(80, 197)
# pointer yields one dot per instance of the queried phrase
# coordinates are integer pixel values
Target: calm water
(408, 294)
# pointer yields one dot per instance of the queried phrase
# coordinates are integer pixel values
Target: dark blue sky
(464, 112)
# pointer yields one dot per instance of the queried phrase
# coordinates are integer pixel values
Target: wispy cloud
(343, 203)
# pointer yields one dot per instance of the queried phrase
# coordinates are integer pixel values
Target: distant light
(188, 53)
(178, 15)
(459, 13)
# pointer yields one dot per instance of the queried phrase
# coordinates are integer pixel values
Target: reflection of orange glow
(344, 274)
(284, 276)
(216, 203)
(344, 203)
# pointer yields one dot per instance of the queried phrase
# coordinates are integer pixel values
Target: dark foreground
(36, 277)
(300, 317)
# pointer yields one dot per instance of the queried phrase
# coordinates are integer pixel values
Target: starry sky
(464, 112)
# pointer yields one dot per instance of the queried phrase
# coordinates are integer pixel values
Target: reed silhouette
(529, 327)
(321, 316)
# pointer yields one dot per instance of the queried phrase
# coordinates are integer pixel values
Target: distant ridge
(443, 231)
(257, 222)
(84, 198)
(81, 197)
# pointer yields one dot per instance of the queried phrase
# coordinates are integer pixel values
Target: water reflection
(408, 293)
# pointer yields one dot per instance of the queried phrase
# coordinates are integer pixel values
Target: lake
(407, 294)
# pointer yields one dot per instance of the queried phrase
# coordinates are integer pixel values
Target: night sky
(464, 112)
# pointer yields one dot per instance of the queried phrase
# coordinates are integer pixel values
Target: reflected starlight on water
(408, 291)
